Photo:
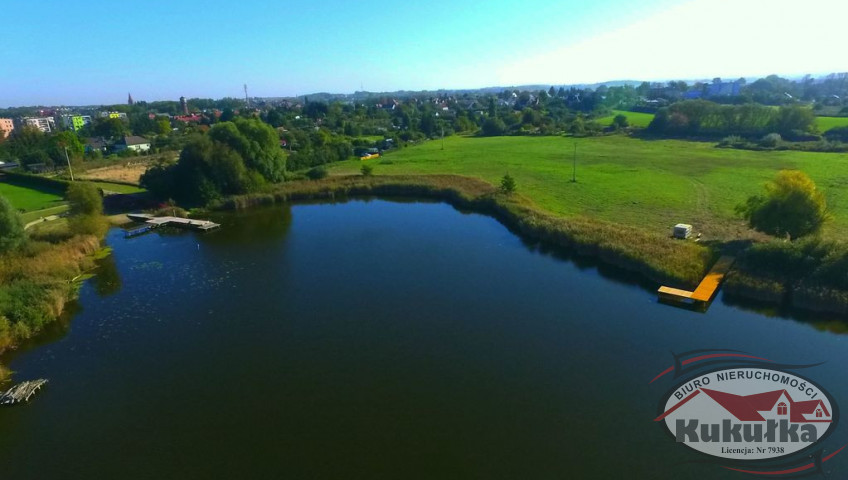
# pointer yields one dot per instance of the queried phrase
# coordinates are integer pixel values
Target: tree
(794, 117)
(28, 144)
(256, 142)
(110, 127)
(493, 127)
(507, 184)
(227, 115)
(791, 206)
(62, 140)
(85, 199)
(163, 126)
(428, 124)
(12, 232)
(620, 121)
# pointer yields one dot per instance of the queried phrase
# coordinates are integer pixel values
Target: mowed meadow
(826, 123)
(28, 199)
(651, 184)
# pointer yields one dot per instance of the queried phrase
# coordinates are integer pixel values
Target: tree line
(231, 158)
(705, 118)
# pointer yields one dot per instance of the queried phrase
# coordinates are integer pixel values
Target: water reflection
(257, 225)
(107, 279)
(820, 321)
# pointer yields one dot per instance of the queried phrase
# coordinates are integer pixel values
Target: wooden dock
(152, 222)
(706, 289)
(22, 392)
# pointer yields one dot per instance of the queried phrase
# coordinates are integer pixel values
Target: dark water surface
(372, 340)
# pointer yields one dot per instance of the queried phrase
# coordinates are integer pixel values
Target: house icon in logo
(777, 404)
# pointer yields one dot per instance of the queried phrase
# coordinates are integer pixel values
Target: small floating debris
(22, 392)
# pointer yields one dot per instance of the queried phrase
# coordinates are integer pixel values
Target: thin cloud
(700, 39)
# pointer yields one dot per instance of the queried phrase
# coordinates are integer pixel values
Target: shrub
(791, 206)
(96, 225)
(85, 198)
(11, 227)
(839, 134)
(620, 121)
(493, 127)
(732, 141)
(771, 140)
(367, 170)
(507, 184)
(317, 173)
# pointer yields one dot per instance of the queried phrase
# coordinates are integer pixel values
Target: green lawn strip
(826, 123)
(635, 119)
(29, 199)
(36, 214)
(119, 187)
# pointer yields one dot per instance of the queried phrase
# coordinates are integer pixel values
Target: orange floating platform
(706, 289)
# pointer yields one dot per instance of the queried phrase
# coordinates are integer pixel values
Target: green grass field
(28, 199)
(826, 123)
(33, 215)
(642, 120)
(118, 187)
(636, 119)
(652, 184)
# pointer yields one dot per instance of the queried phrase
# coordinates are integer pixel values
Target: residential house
(137, 144)
(96, 144)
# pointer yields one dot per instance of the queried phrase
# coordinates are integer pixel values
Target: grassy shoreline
(37, 283)
(656, 257)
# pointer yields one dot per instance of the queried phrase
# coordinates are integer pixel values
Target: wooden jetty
(706, 289)
(152, 222)
(22, 392)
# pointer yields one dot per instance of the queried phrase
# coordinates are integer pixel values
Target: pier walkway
(152, 222)
(706, 289)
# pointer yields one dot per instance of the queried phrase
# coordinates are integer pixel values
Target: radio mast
(246, 98)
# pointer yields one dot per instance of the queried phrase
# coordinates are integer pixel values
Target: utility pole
(69, 163)
(574, 165)
(443, 138)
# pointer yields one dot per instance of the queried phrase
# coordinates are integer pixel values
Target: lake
(373, 339)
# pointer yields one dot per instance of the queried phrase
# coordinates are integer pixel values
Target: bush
(96, 225)
(731, 141)
(493, 127)
(317, 173)
(771, 140)
(801, 136)
(85, 199)
(507, 184)
(367, 170)
(12, 233)
(792, 206)
(839, 134)
(620, 121)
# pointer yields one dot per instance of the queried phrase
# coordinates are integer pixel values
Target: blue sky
(95, 51)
